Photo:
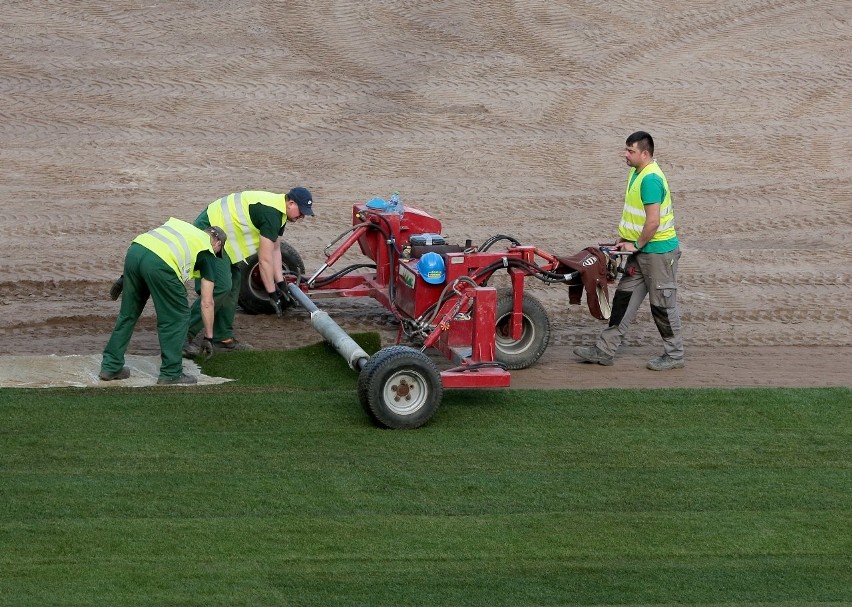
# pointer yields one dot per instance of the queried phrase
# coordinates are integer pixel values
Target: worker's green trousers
(226, 293)
(146, 275)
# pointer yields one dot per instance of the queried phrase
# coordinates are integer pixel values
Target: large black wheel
(535, 334)
(253, 298)
(400, 388)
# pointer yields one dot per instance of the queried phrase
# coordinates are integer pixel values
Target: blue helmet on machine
(379, 204)
(431, 268)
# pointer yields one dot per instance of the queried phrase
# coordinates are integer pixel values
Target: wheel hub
(402, 390)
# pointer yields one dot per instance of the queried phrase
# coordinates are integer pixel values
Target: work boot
(664, 362)
(190, 348)
(230, 345)
(593, 354)
(124, 373)
(184, 379)
(116, 288)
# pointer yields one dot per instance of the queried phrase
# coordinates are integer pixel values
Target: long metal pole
(331, 331)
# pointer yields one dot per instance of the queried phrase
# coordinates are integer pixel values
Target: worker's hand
(206, 350)
(283, 292)
(277, 303)
(116, 288)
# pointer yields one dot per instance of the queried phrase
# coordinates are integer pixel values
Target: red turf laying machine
(439, 293)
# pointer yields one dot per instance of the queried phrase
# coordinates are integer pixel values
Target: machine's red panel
(413, 294)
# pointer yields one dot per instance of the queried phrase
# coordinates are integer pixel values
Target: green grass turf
(276, 490)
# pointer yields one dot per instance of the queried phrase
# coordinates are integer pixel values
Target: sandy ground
(497, 117)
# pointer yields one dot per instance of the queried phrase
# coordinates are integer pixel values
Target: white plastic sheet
(81, 371)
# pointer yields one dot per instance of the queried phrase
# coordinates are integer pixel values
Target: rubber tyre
(253, 298)
(535, 336)
(400, 388)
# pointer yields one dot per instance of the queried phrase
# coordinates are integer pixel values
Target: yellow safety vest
(178, 243)
(231, 212)
(633, 215)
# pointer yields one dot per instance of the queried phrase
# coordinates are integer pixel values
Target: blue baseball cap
(302, 197)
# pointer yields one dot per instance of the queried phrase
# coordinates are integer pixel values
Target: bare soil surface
(496, 118)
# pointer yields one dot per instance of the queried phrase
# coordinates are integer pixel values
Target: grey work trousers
(653, 274)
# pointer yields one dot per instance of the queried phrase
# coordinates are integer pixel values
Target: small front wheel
(400, 388)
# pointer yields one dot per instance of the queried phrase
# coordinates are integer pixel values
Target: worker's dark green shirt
(205, 264)
(267, 220)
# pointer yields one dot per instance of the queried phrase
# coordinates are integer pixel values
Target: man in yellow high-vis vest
(646, 230)
(254, 221)
(156, 266)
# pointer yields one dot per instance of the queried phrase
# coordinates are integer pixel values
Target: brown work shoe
(230, 345)
(184, 379)
(593, 354)
(124, 373)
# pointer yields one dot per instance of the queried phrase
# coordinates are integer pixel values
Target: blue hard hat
(431, 268)
(377, 203)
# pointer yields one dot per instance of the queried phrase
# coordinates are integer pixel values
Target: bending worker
(254, 222)
(157, 265)
(646, 230)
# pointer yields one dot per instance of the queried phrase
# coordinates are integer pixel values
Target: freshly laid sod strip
(276, 490)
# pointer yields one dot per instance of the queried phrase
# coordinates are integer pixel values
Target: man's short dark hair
(643, 141)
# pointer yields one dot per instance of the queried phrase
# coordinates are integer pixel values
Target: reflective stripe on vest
(633, 214)
(232, 214)
(178, 243)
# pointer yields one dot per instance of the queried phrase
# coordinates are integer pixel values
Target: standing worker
(647, 230)
(157, 265)
(254, 221)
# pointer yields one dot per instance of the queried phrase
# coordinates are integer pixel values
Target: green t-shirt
(653, 191)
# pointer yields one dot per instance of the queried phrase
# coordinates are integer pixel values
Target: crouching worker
(157, 265)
